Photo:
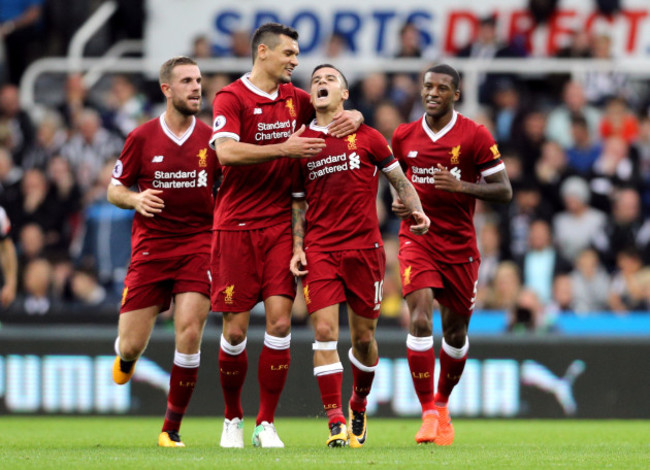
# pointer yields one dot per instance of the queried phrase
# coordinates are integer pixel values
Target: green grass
(111, 443)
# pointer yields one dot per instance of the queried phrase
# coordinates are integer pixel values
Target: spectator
(201, 47)
(562, 301)
(387, 117)
(20, 29)
(15, 123)
(527, 206)
(505, 288)
(600, 85)
(103, 243)
(127, 107)
(576, 227)
(574, 102)
(90, 147)
(489, 242)
(590, 283)
(506, 106)
(31, 244)
(627, 291)
(65, 194)
(619, 121)
(86, 290)
(527, 315)
(50, 138)
(369, 93)
(642, 149)
(76, 100)
(550, 170)
(542, 262)
(8, 263)
(10, 177)
(585, 150)
(37, 283)
(579, 46)
(528, 138)
(486, 45)
(409, 41)
(615, 166)
(625, 229)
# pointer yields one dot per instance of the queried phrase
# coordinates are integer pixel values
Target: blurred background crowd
(574, 241)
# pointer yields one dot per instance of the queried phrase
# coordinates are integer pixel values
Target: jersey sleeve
(127, 167)
(396, 144)
(226, 117)
(305, 108)
(488, 157)
(380, 152)
(5, 224)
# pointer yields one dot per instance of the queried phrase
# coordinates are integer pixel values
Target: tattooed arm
(299, 260)
(408, 197)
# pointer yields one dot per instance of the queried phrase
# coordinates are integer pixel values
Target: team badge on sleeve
(117, 169)
(219, 122)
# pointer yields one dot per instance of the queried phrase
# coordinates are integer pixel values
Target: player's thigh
(235, 269)
(322, 286)
(134, 329)
(276, 245)
(363, 273)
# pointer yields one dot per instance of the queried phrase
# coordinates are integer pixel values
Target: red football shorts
(454, 285)
(249, 266)
(155, 282)
(355, 276)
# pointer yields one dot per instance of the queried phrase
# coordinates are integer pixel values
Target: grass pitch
(130, 443)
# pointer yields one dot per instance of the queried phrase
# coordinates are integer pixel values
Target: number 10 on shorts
(379, 291)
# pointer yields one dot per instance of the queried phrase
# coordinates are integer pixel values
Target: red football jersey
(185, 170)
(469, 152)
(259, 195)
(340, 186)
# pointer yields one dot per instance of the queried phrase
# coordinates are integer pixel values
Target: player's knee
(279, 327)
(324, 332)
(190, 337)
(234, 335)
(421, 323)
(456, 338)
(364, 342)
(131, 350)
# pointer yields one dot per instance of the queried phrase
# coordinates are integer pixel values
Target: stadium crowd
(575, 239)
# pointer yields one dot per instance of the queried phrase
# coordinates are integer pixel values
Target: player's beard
(182, 108)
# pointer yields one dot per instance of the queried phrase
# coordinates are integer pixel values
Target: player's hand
(302, 147)
(446, 181)
(422, 223)
(400, 209)
(298, 262)
(148, 203)
(345, 122)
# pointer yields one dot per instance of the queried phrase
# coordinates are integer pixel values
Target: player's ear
(166, 89)
(345, 94)
(456, 95)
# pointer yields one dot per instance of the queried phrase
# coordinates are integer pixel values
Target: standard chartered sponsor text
(278, 130)
(417, 171)
(178, 179)
(326, 170)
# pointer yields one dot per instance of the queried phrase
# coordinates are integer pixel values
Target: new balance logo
(412, 154)
(355, 161)
(257, 111)
(157, 159)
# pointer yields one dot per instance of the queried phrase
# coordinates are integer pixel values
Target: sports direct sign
(372, 27)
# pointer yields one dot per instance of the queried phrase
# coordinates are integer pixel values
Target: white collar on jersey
(315, 127)
(441, 133)
(246, 80)
(177, 140)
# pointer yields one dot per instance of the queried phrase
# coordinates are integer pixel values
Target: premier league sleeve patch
(219, 122)
(117, 169)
